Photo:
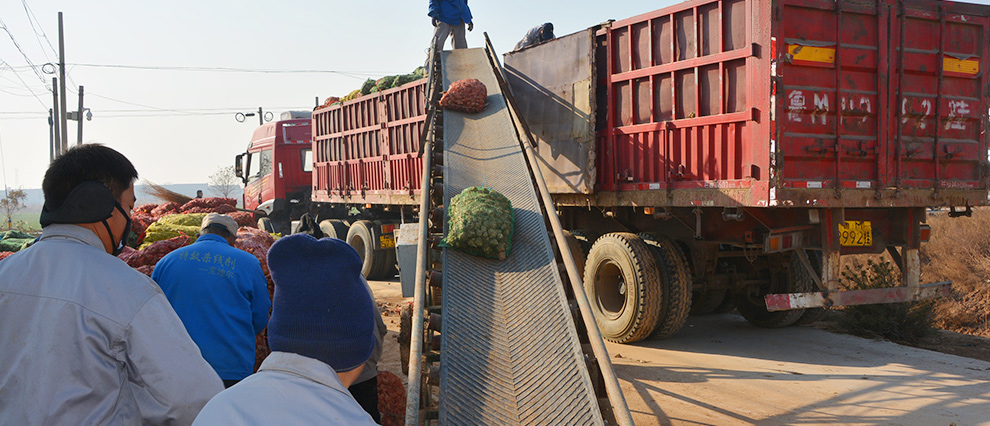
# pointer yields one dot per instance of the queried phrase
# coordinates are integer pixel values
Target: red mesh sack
(466, 95)
(391, 399)
(244, 219)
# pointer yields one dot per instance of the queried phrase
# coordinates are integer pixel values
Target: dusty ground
(719, 370)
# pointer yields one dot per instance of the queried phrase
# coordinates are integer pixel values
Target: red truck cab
(277, 169)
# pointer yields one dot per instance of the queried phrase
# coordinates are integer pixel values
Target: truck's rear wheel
(675, 280)
(706, 302)
(585, 239)
(265, 224)
(728, 304)
(622, 281)
(752, 305)
(334, 228)
(360, 237)
(811, 315)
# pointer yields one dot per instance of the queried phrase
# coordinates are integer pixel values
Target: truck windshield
(307, 159)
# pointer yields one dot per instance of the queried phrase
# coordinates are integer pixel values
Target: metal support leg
(911, 274)
(831, 270)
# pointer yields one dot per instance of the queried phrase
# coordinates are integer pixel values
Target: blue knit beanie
(321, 307)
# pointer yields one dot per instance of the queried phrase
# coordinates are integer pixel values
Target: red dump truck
(711, 153)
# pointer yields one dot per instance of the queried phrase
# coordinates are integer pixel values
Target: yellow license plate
(855, 233)
(388, 241)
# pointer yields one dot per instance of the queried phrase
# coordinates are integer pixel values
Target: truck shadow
(721, 370)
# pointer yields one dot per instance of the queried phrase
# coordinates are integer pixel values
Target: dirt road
(719, 370)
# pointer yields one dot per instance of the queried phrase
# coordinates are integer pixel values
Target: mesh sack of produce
(150, 255)
(13, 240)
(384, 83)
(172, 226)
(367, 86)
(244, 219)
(5, 254)
(481, 223)
(391, 399)
(208, 203)
(144, 209)
(353, 95)
(405, 78)
(466, 95)
(165, 209)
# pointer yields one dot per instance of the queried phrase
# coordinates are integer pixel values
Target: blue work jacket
(450, 11)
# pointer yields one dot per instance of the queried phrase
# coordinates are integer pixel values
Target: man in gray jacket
(85, 338)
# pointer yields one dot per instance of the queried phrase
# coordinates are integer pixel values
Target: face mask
(118, 246)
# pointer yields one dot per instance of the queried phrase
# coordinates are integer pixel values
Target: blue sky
(178, 126)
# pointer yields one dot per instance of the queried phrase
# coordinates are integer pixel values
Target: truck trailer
(710, 154)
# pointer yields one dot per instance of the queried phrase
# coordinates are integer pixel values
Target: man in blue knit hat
(321, 332)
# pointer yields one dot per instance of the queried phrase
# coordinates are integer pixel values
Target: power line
(43, 105)
(18, 46)
(353, 74)
(31, 20)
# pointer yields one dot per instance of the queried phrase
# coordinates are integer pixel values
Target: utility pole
(56, 136)
(79, 116)
(61, 72)
(51, 135)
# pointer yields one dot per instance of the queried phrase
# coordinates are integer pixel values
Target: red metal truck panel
(859, 114)
(795, 102)
(367, 149)
(680, 110)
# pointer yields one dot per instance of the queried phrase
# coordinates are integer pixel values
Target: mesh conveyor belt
(510, 354)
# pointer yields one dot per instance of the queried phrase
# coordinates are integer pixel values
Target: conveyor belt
(510, 353)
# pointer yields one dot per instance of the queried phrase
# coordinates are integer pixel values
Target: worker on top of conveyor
(449, 18)
(536, 35)
(321, 332)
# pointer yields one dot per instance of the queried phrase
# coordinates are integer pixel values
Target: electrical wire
(19, 49)
(2, 62)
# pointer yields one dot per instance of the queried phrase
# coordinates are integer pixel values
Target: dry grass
(165, 194)
(959, 251)
(908, 322)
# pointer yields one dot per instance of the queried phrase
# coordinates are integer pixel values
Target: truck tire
(334, 228)
(753, 307)
(360, 238)
(585, 238)
(622, 280)
(265, 224)
(728, 304)
(811, 315)
(706, 302)
(387, 268)
(675, 280)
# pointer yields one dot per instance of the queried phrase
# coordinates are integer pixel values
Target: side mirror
(239, 168)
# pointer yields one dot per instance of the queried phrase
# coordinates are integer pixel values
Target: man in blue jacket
(450, 17)
(220, 294)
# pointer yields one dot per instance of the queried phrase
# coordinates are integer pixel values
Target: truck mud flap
(786, 301)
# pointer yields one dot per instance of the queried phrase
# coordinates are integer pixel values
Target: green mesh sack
(172, 226)
(481, 223)
(367, 86)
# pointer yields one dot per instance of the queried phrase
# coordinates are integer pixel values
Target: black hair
(85, 163)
